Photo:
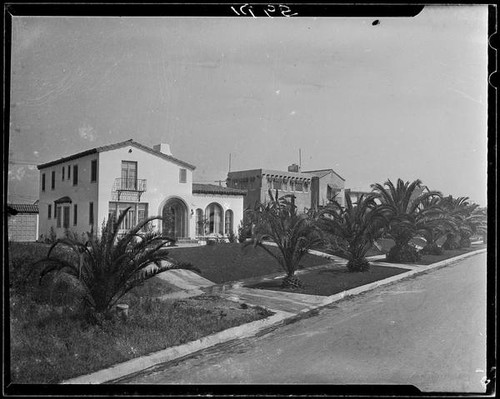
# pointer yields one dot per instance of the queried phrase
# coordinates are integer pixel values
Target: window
(75, 175)
(142, 212)
(277, 184)
(53, 180)
(214, 215)
(58, 216)
(298, 186)
(129, 175)
(285, 185)
(63, 169)
(49, 211)
(292, 185)
(229, 222)
(55, 211)
(91, 213)
(75, 214)
(66, 217)
(136, 213)
(69, 172)
(43, 181)
(93, 171)
(182, 175)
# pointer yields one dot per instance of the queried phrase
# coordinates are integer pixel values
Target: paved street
(428, 331)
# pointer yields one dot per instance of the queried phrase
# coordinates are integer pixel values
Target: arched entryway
(175, 218)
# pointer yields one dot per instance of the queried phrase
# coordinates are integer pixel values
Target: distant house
(330, 185)
(22, 222)
(81, 191)
(311, 189)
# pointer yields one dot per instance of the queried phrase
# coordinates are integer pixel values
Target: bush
(231, 237)
(403, 254)
(358, 265)
(244, 232)
(432, 249)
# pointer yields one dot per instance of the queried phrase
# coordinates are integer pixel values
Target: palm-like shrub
(433, 223)
(400, 203)
(106, 267)
(468, 218)
(294, 233)
(354, 228)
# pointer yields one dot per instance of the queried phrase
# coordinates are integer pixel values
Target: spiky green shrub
(352, 229)
(294, 233)
(401, 204)
(106, 267)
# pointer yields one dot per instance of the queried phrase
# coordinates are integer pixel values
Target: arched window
(200, 225)
(213, 214)
(229, 222)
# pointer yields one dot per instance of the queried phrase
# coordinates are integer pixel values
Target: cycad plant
(294, 233)
(469, 219)
(106, 267)
(433, 223)
(354, 227)
(400, 204)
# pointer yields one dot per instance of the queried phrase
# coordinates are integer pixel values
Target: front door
(175, 219)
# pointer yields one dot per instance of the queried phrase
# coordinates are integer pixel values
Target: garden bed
(451, 253)
(51, 342)
(333, 280)
(223, 263)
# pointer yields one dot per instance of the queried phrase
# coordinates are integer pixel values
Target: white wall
(81, 194)
(162, 179)
(232, 202)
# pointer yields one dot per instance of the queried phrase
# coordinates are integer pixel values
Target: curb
(133, 366)
(139, 364)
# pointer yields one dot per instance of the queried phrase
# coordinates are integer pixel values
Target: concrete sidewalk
(287, 306)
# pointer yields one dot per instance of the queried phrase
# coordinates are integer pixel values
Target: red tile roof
(24, 208)
(113, 147)
(214, 189)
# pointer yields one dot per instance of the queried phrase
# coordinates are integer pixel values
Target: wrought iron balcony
(124, 184)
(128, 189)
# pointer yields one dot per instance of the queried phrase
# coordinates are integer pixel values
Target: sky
(406, 98)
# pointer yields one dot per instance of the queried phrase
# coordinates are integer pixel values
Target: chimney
(294, 168)
(164, 148)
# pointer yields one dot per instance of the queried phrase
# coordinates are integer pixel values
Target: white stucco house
(79, 192)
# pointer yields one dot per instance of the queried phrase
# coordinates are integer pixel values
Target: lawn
(231, 262)
(332, 280)
(50, 341)
(430, 259)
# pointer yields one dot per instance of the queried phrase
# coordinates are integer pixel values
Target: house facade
(80, 192)
(311, 189)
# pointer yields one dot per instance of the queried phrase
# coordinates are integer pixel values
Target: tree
(293, 233)
(103, 269)
(354, 228)
(400, 204)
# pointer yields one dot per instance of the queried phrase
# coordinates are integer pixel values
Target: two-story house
(81, 191)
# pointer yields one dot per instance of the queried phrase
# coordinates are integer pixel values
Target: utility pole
(229, 162)
(300, 159)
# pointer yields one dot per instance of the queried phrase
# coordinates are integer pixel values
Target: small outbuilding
(22, 222)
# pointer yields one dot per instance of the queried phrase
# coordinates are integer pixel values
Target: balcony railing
(125, 184)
